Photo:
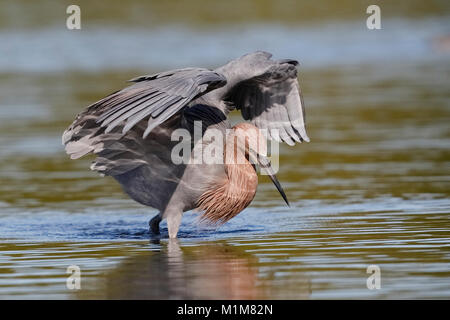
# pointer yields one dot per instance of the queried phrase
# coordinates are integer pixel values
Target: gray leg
(173, 223)
(154, 224)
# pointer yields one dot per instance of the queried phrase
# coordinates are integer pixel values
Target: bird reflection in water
(189, 272)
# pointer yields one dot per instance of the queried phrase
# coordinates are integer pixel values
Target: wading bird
(130, 131)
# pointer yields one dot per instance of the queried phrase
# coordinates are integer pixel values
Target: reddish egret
(131, 133)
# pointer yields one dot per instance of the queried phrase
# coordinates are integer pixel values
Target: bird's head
(252, 143)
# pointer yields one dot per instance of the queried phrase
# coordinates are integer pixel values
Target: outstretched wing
(156, 97)
(273, 101)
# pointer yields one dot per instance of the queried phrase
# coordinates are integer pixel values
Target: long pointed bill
(265, 165)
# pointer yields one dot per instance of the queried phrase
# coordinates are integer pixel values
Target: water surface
(371, 188)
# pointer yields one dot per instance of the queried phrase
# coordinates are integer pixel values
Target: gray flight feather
(268, 94)
(159, 96)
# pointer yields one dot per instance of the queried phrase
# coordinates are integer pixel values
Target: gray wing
(157, 97)
(273, 101)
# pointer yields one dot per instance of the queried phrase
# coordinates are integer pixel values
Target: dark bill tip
(279, 188)
(265, 165)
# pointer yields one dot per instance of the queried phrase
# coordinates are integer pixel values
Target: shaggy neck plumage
(225, 200)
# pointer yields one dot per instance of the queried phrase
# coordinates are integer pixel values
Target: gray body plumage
(130, 130)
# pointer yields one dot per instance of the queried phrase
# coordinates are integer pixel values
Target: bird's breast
(225, 199)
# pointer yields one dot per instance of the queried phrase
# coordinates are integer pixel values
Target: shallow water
(371, 188)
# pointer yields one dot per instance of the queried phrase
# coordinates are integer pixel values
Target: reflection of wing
(273, 101)
(157, 96)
